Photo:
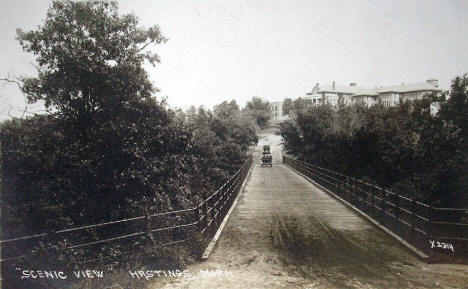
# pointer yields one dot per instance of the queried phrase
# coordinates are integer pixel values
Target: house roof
(366, 92)
(340, 88)
(346, 89)
(421, 86)
(362, 91)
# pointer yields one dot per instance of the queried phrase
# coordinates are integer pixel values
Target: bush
(107, 149)
(407, 148)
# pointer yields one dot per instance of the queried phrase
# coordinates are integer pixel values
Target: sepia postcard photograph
(204, 144)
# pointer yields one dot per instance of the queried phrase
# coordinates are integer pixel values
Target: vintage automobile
(266, 156)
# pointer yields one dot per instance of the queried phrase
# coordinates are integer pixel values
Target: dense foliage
(409, 148)
(293, 107)
(221, 139)
(259, 110)
(107, 149)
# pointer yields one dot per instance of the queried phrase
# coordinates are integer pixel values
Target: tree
(292, 138)
(259, 110)
(221, 139)
(89, 58)
(406, 148)
(107, 150)
(287, 105)
(294, 107)
(452, 140)
(301, 104)
(226, 109)
(113, 147)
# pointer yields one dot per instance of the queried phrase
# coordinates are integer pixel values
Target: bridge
(288, 232)
(294, 226)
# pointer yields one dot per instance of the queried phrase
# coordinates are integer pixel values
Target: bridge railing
(120, 238)
(213, 209)
(438, 232)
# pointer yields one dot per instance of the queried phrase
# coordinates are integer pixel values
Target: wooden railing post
(356, 192)
(198, 217)
(215, 208)
(341, 185)
(232, 194)
(430, 230)
(365, 199)
(384, 206)
(349, 188)
(430, 220)
(373, 192)
(149, 234)
(210, 212)
(397, 214)
(205, 215)
(413, 216)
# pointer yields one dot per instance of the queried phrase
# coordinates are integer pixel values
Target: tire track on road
(287, 233)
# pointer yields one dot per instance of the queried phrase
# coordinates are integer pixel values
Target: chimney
(352, 84)
(333, 85)
(316, 87)
(433, 82)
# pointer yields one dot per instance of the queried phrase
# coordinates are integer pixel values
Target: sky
(223, 50)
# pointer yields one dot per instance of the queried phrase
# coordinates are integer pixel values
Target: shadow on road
(318, 250)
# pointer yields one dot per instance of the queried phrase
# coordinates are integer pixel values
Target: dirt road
(287, 233)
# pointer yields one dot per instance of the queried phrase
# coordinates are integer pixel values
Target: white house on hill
(333, 94)
(277, 111)
(336, 95)
(389, 96)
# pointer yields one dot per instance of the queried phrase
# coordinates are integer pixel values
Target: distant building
(367, 97)
(277, 111)
(337, 95)
(391, 95)
(388, 96)
(333, 94)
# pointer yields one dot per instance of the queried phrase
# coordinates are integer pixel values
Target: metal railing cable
(432, 230)
(201, 217)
